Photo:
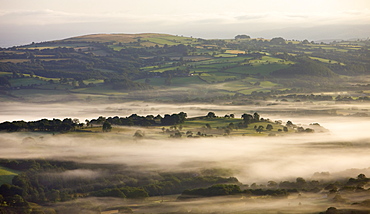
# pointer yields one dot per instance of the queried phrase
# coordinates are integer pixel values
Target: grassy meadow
(6, 175)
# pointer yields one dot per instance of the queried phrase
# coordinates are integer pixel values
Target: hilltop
(165, 67)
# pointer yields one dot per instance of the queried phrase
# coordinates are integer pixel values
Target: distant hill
(319, 33)
(105, 64)
(123, 38)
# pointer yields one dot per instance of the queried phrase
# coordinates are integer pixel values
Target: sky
(26, 21)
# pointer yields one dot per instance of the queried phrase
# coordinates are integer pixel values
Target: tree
(247, 118)
(269, 127)
(107, 126)
(259, 129)
(305, 42)
(211, 115)
(177, 134)
(277, 41)
(139, 134)
(243, 36)
(361, 177)
(256, 117)
(289, 123)
(272, 184)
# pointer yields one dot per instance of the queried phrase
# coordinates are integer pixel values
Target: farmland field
(6, 175)
(262, 69)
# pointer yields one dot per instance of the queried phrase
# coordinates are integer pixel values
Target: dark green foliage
(126, 84)
(4, 82)
(225, 189)
(109, 193)
(243, 36)
(211, 115)
(40, 182)
(305, 67)
(277, 41)
(7, 190)
(54, 125)
(175, 184)
(247, 118)
(173, 119)
(215, 190)
(68, 124)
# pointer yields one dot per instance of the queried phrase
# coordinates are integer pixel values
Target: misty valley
(155, 123)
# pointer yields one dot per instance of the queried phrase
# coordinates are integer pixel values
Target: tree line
(42, 181)
(68, 124)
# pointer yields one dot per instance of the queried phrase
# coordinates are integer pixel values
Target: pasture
(19, 82)
(262, 69)
(6, 175)
(217, 127)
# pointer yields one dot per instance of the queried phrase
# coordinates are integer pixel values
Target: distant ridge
(124, 38)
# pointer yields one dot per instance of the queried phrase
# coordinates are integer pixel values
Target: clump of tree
(277, 41)
(40, 182)
(107, 127)
(211, 115)
(173, 119)
(68, 124)
(231, 189)
(215, 190)
(139, 134)
(44, 125)
(248, 118)
(242, 36)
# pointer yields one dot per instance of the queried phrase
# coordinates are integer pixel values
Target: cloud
(47, 16)
(252, 16)
(48, 24)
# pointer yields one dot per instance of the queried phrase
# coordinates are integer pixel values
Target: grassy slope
(6, 175)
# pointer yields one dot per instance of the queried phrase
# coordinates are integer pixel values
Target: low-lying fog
(11, 111)
(253, 159)
(343, 151)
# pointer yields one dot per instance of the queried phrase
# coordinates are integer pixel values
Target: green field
(29, 93)
(262, 69)
(2, 73)
(99, 89)
(326, 60)
(26, 82)
(218, 124)
(176, 81)
(6, 175)
(216, 77)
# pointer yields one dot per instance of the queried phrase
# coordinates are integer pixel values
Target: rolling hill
(118, 64)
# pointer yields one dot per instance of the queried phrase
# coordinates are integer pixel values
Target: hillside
(177, 67)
